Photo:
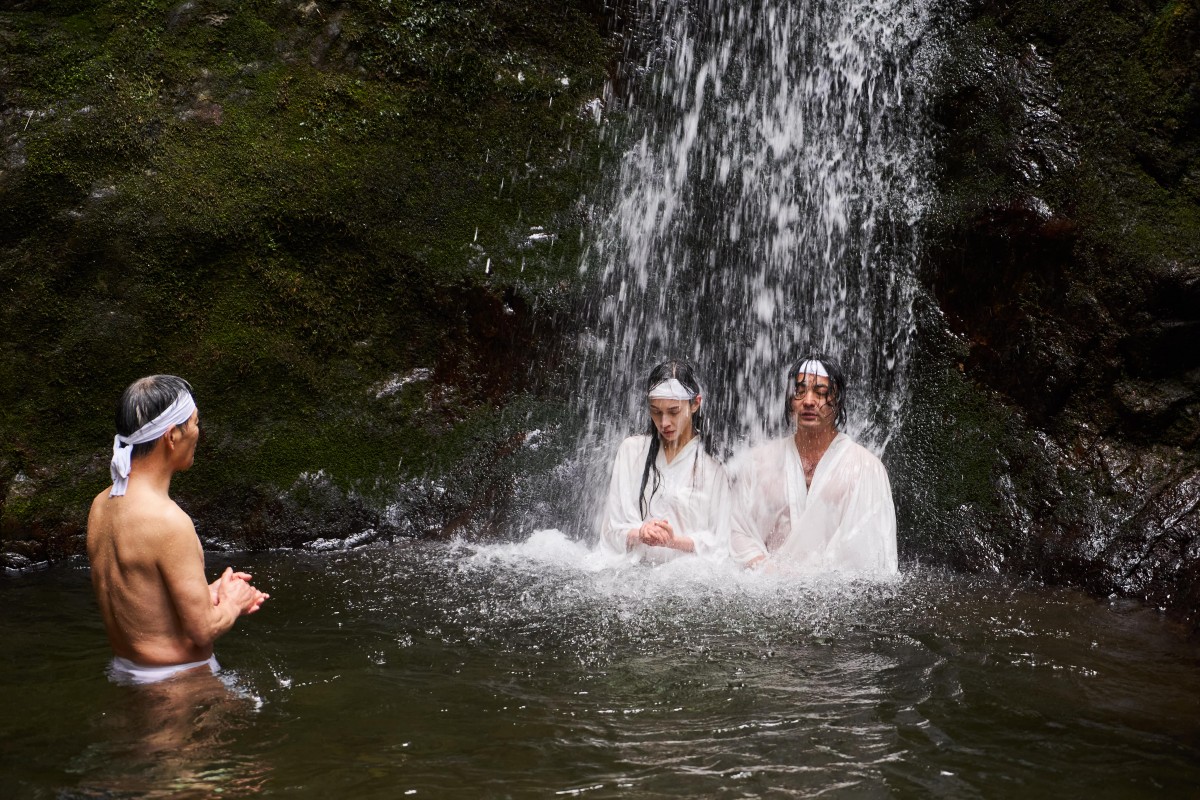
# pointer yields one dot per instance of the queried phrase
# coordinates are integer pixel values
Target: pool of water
(538, 670)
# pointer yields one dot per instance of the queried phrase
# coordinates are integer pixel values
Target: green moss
(1091, 107)
(1120, 77)
(948, 460)
(286, 208)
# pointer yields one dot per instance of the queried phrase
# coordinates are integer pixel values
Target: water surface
(537, 670)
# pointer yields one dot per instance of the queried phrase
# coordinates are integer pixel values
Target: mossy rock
(291, 206)
(1065, 256)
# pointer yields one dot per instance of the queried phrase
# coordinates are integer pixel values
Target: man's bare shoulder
(98, 508)
(163, 519)
(151, 518)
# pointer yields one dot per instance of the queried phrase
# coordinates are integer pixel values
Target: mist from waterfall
(766, 203)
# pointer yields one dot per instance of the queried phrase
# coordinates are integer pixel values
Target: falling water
(766, 203)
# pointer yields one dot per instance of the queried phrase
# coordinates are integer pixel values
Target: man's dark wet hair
(685, 373)
(837, 380)
(144, 400)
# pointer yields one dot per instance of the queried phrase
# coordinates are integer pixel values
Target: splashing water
(464, 671)
(766, 205)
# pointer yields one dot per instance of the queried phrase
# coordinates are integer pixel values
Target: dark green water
(435, 670)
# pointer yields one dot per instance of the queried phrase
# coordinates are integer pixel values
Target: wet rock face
(349, 224)
(1066, 259)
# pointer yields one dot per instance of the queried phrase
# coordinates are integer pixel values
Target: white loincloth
(124, 671)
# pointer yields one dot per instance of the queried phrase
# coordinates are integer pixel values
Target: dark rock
(1065, 255)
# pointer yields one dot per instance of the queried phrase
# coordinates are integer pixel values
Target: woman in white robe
(667, 497)
(815, 501)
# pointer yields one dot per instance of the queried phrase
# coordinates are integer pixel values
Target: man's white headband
(177, 413)
(812, 367)
(672, 389)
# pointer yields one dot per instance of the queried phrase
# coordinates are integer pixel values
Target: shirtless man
(160, 613)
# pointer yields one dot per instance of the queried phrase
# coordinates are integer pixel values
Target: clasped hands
(658, 533)
(235, 587)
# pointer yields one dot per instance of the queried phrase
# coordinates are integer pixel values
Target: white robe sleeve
(621, 511)
(746, 541)
(711, 534)
(866, 537)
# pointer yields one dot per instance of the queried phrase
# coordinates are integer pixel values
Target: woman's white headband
(812, 367)
(672, 389)
(177, 413)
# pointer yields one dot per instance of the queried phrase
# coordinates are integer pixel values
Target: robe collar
(796, 487)
(661, 458)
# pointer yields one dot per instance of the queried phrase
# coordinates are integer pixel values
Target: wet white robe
(844, 522)
(693, 495)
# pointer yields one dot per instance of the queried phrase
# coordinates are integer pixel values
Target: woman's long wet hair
(685, 373)
(837, 380)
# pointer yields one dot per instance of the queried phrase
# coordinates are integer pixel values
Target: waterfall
(766, 201)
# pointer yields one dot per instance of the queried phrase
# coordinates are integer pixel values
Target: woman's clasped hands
(659, 533)
(656, 533)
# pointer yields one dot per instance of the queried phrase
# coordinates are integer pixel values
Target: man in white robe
(815, 501)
